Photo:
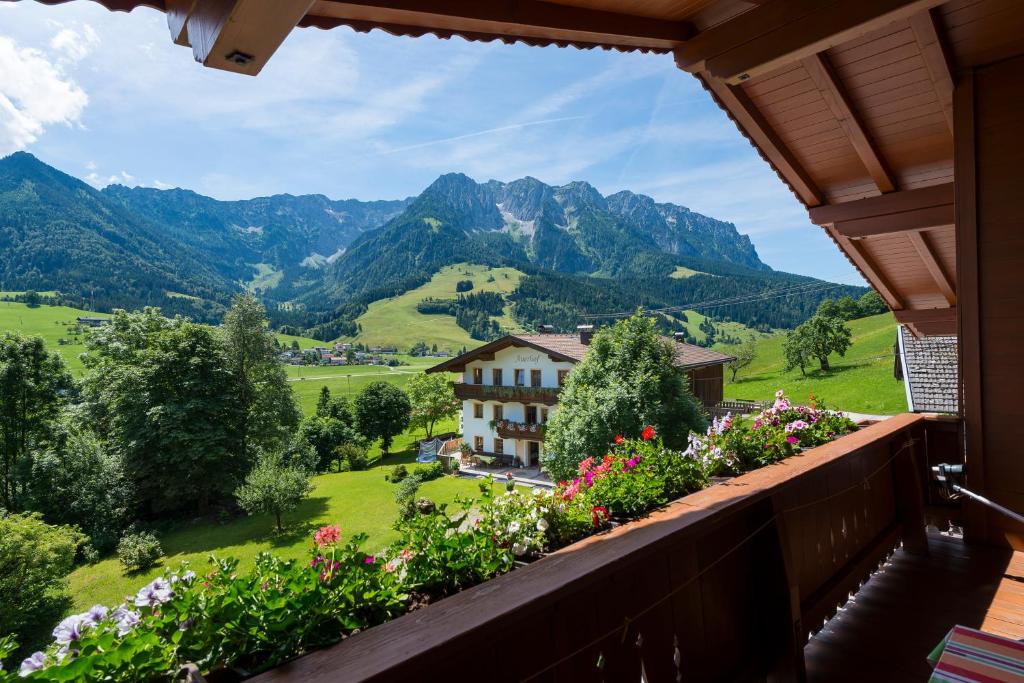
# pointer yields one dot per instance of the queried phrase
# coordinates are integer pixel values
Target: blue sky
(107, 97)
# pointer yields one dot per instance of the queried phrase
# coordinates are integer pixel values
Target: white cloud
(35, 92)
(99, 182)
(74, 45)
(160, 185)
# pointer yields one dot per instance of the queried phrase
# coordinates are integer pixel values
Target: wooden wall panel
(999, 168)
(900, 262)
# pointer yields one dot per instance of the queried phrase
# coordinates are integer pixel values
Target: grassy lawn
(861, 382)
(51, 323)
(396, 321)
(357, 501)
(307, 380)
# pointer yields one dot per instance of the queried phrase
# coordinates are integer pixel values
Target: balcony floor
(897, 618)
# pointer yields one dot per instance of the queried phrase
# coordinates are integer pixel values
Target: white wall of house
(509, 360)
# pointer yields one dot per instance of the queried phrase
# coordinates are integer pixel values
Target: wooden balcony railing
(485, 392)
(724, 584)
(507, 429)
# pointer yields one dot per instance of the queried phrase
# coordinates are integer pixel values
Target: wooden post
(909, 497)
(788, 666)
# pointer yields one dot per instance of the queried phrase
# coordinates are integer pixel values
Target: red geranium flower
(598, 515)
(648, 433)
(327, 535)
(619, 439)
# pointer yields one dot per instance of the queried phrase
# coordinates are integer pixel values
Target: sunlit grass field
(396, 321)
(862, 381)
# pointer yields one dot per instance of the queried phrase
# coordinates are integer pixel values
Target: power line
(789, 290)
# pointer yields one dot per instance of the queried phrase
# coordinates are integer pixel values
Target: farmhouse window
(534, 378)
(478, 375)
(478, 410)
(478, 444)
(520, 377)
(496, 378)
(499, 445)
(499, 411)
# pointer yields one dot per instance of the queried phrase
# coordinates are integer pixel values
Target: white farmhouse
(509, 388)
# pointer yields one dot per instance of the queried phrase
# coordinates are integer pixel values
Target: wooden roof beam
(867, 267)
(927, 316)
(935, 268)
(234, 35)
(918, 209)
(929, 36)
(830, 86)
(781, 32)
(746, 114)
(516, 18)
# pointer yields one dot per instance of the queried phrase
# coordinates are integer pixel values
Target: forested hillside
(319, 264)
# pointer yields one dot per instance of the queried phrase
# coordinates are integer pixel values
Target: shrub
(398, 473)
(35, 559)
(405, 496)
(430, 472)
(352, 457)
(138, 551)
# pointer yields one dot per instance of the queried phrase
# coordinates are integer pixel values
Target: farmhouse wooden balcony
(508, 429)
(508, 394)
(731, 583)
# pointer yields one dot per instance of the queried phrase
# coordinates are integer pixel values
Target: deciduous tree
(34, 385)
(745, 355)
(382, 412)
(273, 486)
(815, 339)
(268, 410)
(627, 381)
(433, 399)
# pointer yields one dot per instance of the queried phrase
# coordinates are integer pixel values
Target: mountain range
(318, 262)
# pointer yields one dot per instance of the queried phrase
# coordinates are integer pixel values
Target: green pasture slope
(52, 323)
(396, 322)
(862, 381)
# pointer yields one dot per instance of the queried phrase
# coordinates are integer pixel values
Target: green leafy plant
(138, 551)
(397, 474)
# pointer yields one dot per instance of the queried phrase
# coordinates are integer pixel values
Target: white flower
(542, 525)
(188, 576)
(32, 664)
(513, 527)
(538, 491)
(519, 549)
(70, 629)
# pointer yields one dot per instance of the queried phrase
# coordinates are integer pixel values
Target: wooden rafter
(831, 88)
(753, 123)
(235, 35)
(867, 266)
(928, 34)
(892, 204)
(515, 18)
(935, 268)
(781, 32)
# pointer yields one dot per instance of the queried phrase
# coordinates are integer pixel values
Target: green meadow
(861, 381)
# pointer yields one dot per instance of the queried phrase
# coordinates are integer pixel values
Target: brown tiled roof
(929, 367)
(571, 348)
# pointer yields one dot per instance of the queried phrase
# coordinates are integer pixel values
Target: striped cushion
(969, 656)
